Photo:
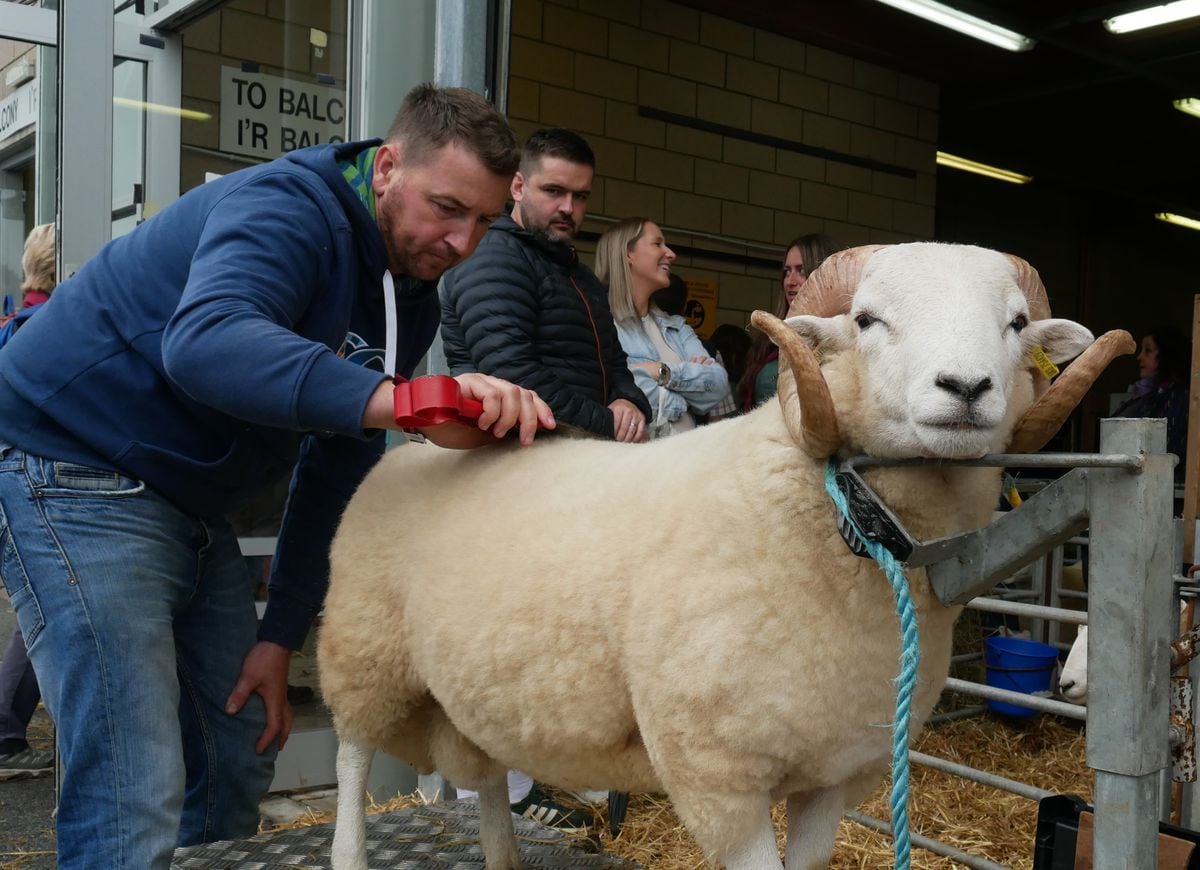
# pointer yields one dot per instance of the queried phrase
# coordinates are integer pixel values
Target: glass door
(27, 154)
(27, 135)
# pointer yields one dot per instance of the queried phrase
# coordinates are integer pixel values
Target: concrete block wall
(590, 64)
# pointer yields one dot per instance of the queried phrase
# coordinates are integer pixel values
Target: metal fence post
(1130, 601)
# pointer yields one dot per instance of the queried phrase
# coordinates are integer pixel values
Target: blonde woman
(668, 360)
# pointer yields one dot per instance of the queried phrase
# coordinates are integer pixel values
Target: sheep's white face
(944, 336)
(1072, 682)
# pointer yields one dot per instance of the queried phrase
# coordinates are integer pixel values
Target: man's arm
(494, 302)
(258, 267)
(327, 473)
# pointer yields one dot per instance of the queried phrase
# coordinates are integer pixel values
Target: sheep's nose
(966, 390)
(1066, 685)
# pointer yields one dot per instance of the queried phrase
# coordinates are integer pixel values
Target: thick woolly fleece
(605, 659)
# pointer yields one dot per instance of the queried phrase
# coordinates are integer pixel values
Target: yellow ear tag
(819, 354)
(1043, 362)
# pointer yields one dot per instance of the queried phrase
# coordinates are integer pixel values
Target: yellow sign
(700, 310)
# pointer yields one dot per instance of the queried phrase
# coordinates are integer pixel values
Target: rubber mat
(439, 835)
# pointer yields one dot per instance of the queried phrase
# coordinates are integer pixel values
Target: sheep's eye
(864, 320)
(1019, 322)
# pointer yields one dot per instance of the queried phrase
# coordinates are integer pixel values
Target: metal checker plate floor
(439, 835)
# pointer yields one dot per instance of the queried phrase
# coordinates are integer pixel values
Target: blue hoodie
(200, 354)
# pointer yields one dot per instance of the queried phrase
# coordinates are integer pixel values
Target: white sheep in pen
(1073, 679)
(683, 616)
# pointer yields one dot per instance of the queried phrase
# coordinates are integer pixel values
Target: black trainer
(544, 809)
(27, 762)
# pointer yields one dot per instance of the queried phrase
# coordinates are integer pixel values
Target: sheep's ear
(1051, 410)
(829, 333)
(1060, 339)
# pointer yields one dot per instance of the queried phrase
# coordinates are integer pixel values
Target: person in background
(1161, 389)
(37, 262)
(672, 300)
(525, 308)
(729, 344)
(668, 361)
(19, 693)
(804, 255)
(238, 335)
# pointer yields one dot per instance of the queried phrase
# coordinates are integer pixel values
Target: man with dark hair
(525, 309)
(251, 327)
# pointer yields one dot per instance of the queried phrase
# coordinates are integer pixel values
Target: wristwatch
(664, 374)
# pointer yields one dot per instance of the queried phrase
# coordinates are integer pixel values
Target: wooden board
(1173, 853)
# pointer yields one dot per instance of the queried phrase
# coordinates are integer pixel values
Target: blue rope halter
(910, 658)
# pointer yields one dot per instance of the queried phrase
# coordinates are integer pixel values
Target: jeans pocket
(69, 478)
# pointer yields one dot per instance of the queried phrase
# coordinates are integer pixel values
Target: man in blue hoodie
(187, 365)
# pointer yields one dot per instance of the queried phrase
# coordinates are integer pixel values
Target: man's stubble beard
(542, 232)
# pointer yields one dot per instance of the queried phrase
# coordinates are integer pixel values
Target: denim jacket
(693, 386)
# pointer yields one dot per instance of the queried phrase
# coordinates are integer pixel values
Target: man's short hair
(432, 117)
(555, 142)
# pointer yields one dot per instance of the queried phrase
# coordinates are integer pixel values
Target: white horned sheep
(1073, 679)
(682, 616)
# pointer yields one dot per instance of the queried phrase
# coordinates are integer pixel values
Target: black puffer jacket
(525, 309)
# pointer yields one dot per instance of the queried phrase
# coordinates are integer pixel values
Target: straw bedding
(993, 824)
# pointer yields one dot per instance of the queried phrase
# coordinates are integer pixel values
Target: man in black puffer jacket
(524, 308)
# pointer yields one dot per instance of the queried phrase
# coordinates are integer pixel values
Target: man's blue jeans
(137, 618)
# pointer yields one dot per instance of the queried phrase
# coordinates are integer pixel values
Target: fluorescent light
(160, 108)
(1178, 220)
(1191, 105)
(1152, 16)
(948, 16)
(955, 162)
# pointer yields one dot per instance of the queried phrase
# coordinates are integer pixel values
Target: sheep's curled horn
(829, 291)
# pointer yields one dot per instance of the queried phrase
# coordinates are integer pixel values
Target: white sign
(18, 110)
(265, 116)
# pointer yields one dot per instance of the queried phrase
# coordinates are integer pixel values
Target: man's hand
(629, 423)
(504, 405)
(265, 671)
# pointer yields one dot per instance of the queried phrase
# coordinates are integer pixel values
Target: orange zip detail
(595, 335)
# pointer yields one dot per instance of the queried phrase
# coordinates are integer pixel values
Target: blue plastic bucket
(1018, 665)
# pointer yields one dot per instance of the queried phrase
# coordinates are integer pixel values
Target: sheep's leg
(732, 827)
(496, 834)
(349, 850)
(758, 850)
(812, 823)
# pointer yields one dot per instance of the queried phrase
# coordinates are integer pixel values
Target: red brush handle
(432, 400)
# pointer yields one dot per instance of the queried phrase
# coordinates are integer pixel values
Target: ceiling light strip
(953, 161)
(948, 16)
(160, 108)
(1191, 105)
(1178, 220)
(1153, 16)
